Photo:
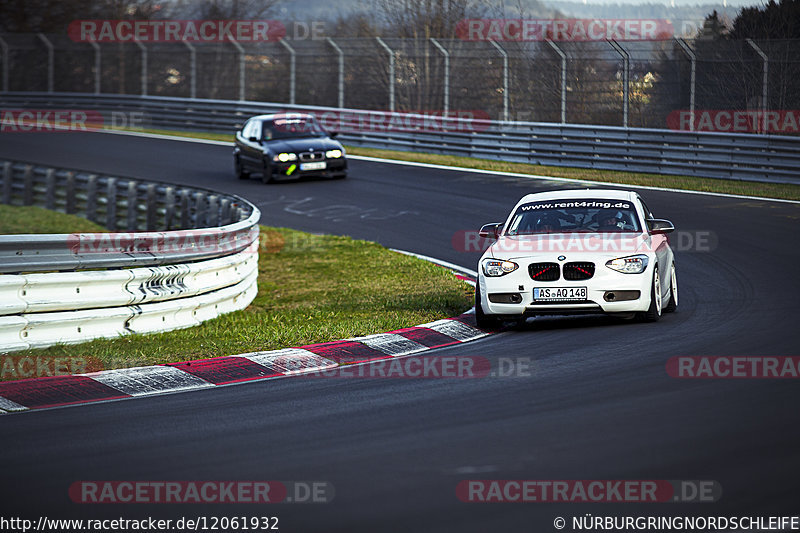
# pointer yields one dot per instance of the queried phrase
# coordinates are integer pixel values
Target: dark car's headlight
(498, 267)
(633, 264)
(284, 157)
(334, 154)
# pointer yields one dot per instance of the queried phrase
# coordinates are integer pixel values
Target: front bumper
(599, 299)
(334, 168)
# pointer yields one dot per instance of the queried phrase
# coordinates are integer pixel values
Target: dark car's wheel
(653, 313)
(482, 319)
(266, 175)
(239, 169)
(673, 292)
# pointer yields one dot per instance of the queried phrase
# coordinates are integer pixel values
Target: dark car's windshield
(570, 216)
(291, 128)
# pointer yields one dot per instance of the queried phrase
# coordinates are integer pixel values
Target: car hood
(575, 246)
(303, 144)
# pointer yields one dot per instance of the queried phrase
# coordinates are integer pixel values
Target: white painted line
(452, 266)
(142, 381)
(290, 360)
(453, 328)
(472, 170)
(391, 344)
(7, 405)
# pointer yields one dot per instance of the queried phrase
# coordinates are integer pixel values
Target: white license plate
(318, 165)
(559, 294)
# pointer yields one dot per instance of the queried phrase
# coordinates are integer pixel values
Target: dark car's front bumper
(334, 168)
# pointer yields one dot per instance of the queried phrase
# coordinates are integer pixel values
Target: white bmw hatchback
(577, 252)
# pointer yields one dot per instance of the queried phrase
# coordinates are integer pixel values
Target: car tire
(673, 292)
(266, 175)
(482, 320)
(653, 313)
(239, 169)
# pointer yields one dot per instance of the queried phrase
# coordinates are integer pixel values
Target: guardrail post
(69, 196)
(186, 209)
(50, 189)
(341, 70)
(225, 211)
(192, 68)
(131, 194)
(446, 55)
(563, 57)
(27, 186)
(212, 218)
(150, 207)
(97, 65)
(91, 198)
(200, 209)
(693, 60)
(143, 49)
(764, 83)
(626, 66)
(4, 46)
(292, 69)
(505, 78)
(241, 68)
(111, 204)
(51, 61)
(169, 207)
(391, 72)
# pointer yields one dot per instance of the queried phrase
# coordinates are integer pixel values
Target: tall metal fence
(630, 84)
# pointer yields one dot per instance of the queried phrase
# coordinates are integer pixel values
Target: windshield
(571, 216)
(291, 128)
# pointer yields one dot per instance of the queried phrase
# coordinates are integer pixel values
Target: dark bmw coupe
(287, 146)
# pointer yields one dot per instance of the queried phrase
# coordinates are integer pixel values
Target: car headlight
(333, 154)
(284, 157)
(633, 264)
(497, 267)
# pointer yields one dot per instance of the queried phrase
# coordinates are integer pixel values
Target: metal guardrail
(199, 260)
(164, 223)
(767, 158)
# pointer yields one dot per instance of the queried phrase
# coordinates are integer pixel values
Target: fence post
(626, 65)
(391, 72)
(192, 68)
(8, 174)
(505, 78)
(50, 189)
(131, 195)
(4, 46)
(764, 82)
(27, 186)
(446, 55)
(292, 71)
(51, 61)
(241, 67)
(143, 48)
(563, 57)
(91, 198)
(693, 59)
(341, 70)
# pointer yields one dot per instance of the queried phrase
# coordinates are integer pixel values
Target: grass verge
(311, 288)
(742, 188)
(14, 219)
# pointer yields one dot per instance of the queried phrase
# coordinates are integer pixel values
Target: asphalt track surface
(598, 403)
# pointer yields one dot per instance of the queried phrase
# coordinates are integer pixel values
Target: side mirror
(253, 139)
(659, 226)
(491, 231)
(333, 134)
